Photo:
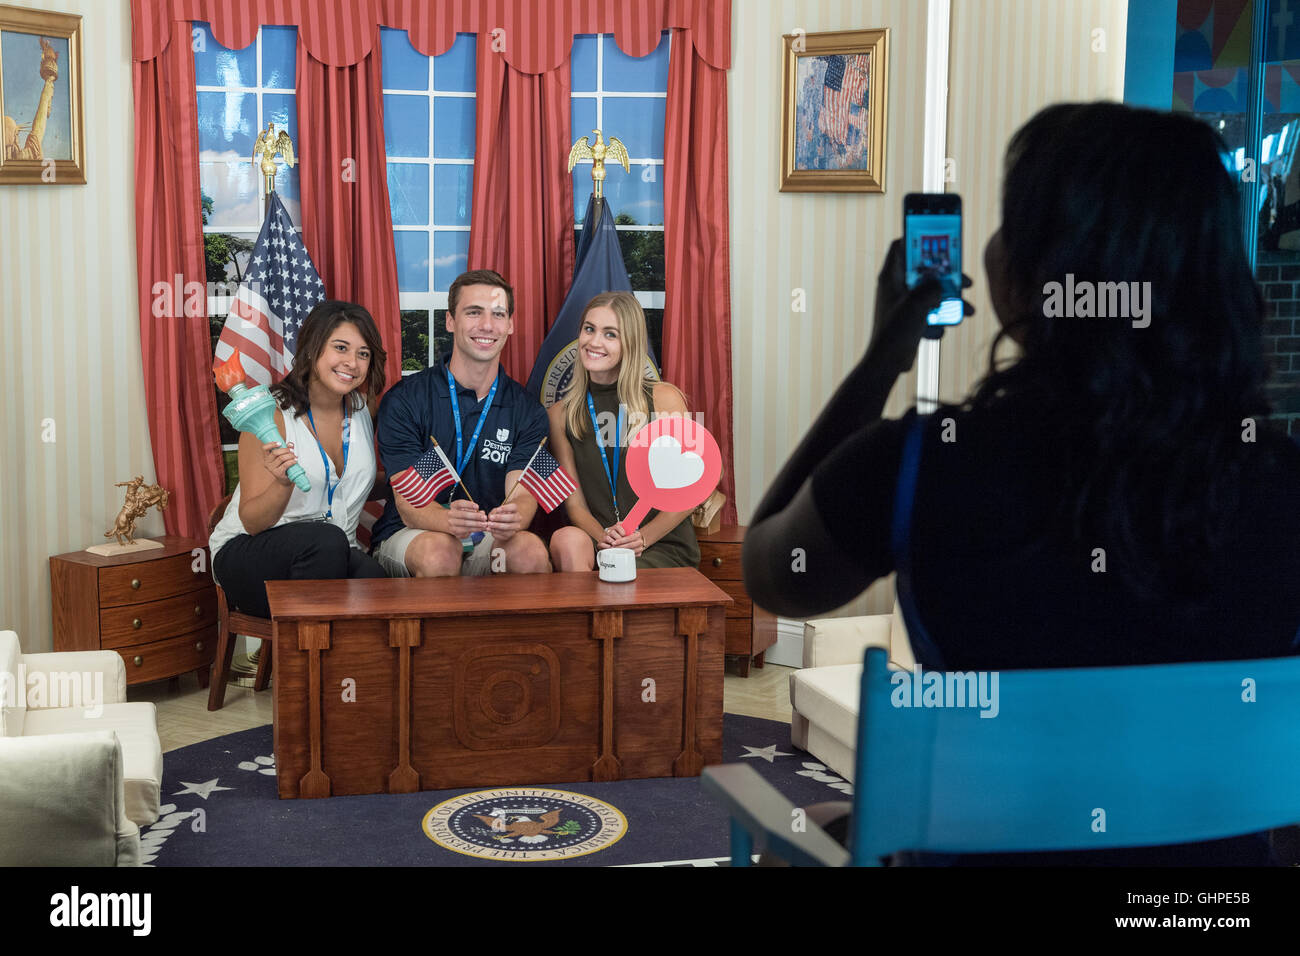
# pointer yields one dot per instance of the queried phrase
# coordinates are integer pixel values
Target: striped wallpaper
(70, 340)
(68, 317)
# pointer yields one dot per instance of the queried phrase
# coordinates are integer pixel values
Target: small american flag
(844, 87)
(549, 483)
(279, 289)
(421, 483)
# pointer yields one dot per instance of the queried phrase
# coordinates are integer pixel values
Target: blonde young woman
(609, 398)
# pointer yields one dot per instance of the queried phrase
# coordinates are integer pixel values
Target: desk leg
(605, 627)
(404, 635)
(691, 622)
(314, 637)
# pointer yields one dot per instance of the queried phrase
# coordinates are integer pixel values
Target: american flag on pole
(279, 289)
(421, 483)
(549, 483)
(844, 87)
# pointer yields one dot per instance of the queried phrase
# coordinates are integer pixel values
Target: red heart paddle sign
(673, 464)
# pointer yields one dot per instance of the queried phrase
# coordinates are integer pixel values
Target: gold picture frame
(834, 111)
(42, 139)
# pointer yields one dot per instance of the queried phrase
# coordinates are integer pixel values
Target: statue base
(135, 547)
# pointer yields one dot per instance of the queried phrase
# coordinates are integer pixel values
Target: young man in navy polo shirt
(489, 434)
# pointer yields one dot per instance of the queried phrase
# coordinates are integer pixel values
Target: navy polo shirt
(419, 406)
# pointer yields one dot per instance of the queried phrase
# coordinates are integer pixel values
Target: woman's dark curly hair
(1152, 416)
(293, 392)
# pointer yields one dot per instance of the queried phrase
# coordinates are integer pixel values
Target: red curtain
(347, 226)
(521, 222)
(697, 303)
(176, 347)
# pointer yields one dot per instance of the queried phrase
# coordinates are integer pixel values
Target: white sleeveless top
(349, 494)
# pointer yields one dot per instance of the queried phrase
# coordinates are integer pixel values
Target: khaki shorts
(391, 554)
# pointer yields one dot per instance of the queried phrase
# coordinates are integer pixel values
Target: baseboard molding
(788, 649)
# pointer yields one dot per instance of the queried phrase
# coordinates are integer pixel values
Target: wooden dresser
(153, 608)
(750, 629)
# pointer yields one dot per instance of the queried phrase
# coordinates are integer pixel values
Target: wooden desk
(750, 629)
(397, 685)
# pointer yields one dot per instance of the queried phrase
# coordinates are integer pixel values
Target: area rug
(220, 808)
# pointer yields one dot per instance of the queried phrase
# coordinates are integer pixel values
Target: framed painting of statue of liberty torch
(40, 98)
(833, 111)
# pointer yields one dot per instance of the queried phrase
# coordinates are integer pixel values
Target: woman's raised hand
(279, 460)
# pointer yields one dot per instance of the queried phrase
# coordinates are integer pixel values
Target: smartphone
(932, 237)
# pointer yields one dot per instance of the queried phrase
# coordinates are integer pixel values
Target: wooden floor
(184, 718)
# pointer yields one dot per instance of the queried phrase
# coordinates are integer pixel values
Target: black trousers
(303, 550)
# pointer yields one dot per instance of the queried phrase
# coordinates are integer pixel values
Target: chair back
(1074, 759)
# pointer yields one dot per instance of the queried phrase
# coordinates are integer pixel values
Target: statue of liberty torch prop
(253, 410)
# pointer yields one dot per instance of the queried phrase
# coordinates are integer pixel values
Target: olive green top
(678, 548)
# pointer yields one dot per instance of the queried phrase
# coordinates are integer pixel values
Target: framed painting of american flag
(833, 111)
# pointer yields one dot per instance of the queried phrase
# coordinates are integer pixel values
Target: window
(238, 93)
(627, 97)
(429, 139)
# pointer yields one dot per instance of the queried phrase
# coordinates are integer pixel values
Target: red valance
(536, 38)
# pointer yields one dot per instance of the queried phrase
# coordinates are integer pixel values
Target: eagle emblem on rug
(518, 825)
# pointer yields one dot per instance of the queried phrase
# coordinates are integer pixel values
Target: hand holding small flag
(545, 480)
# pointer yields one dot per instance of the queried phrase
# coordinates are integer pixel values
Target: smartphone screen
(932, 236)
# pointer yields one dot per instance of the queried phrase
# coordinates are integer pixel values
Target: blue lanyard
(612, 474)
(329, 466)
(461, 462)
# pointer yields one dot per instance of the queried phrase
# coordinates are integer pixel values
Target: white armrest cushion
(79, 673)
(843, 640)
(62, 802)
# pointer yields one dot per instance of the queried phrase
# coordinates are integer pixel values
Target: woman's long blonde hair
(632, 379)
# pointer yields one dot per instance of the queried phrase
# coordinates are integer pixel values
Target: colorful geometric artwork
(1212, 56)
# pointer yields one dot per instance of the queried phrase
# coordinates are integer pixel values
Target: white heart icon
(670, 467)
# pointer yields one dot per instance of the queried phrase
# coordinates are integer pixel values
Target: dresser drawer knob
(198, 645)
(137, 660)
(717, 562)
(137, 623)
(135, 584)
(198, 610)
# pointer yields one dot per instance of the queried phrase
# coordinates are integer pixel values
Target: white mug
(616, 564)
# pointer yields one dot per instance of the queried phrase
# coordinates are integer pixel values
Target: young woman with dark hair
(271, 530)
(1112, 496)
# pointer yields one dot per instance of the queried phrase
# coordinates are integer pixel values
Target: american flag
(279, 289)
(421, 483)
(549, 483)
(845, 86)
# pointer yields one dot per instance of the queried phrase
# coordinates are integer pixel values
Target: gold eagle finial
(613, 150)
(267, 146)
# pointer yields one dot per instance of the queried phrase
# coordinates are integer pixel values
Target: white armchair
(80, 767)
(824, 694)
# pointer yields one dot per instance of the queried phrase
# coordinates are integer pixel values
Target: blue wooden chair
(1076, 759)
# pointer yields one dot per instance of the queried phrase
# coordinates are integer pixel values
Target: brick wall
(1279, 275)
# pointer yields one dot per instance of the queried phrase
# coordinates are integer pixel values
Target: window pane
(647, 74)
(639, 123)
(227, 125)
(412, 250)
(453, 127)
(643, 256)
(286, 186)
(408, 193)
(226, 256)
(405, 67)
(214, 65)
(654, 321)
(279, 57)
(582, 59)
(406, 125)
(583, 117)
(282, 110)
(232, 187)
(415, 339)
(637, 199)
(453, 71)
(451, 253)
(453, 188)
(441, 337)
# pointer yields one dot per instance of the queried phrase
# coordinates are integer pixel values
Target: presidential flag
(549, 483)
(844, 87)
(421, 483)
(279, 289)
(599, 268)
